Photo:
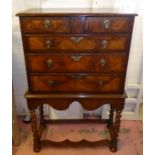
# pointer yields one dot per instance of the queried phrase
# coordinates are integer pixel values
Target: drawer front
(107, 24)
(76, 83)
(46, 25)
(106, 63)
(102, 43)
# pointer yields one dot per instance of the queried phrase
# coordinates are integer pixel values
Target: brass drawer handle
(48, 43)
(106, 23)
(76, 77)
(50, 83)
(76, 57)
(49, 63)
(76, 40)
(103, 62)
(101, 83)
(104, 44)
(47, 23)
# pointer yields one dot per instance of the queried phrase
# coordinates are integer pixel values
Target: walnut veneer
(76, 55)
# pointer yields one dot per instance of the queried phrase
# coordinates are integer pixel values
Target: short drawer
(107, 24)
(105, 63)
(76, 83)
(77, 43)
(45, 24)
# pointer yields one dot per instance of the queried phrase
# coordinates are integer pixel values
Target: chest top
(75, 11)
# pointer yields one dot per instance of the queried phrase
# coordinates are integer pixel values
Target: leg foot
(36, 139)
(115, 131)
(37, 149)
(113, 149)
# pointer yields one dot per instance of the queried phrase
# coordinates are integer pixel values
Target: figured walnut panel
(113, 42)
(105, 63)
(77, 24)
(46, 24)
(116, 24)
(76, 83)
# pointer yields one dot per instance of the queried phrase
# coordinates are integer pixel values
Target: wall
(134, 73)
(18, 66)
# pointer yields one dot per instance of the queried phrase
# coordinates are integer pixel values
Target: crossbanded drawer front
(104, 63)
(107, 24)
(76, 83)
(77, 43)
(45, 24)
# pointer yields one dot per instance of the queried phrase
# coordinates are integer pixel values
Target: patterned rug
(129, 142)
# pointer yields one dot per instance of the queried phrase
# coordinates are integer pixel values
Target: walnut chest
(76, 55)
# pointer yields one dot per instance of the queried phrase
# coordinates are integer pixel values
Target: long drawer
(68, 83)
(101, 63)
(80, 43)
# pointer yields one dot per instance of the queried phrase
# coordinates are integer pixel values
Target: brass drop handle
(76, 40)
(104, 44)
(76, 57)
(50, 83)
(49, 63)
(48, 43)
(101, 82)
(76, 77)
(103, 62)
(47, 23)
(106, 23)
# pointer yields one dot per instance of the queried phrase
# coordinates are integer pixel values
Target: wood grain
(114, 42)
(102, 63)
(76, 84)
(116, 24)
(38, 24)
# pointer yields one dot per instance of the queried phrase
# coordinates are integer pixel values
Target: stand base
(88, 101)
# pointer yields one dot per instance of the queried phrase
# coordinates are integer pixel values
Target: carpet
(129, 142)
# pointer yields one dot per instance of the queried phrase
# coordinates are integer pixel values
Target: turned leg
(115, 131)
(42, 122)
(111, 115)
(36, 139)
